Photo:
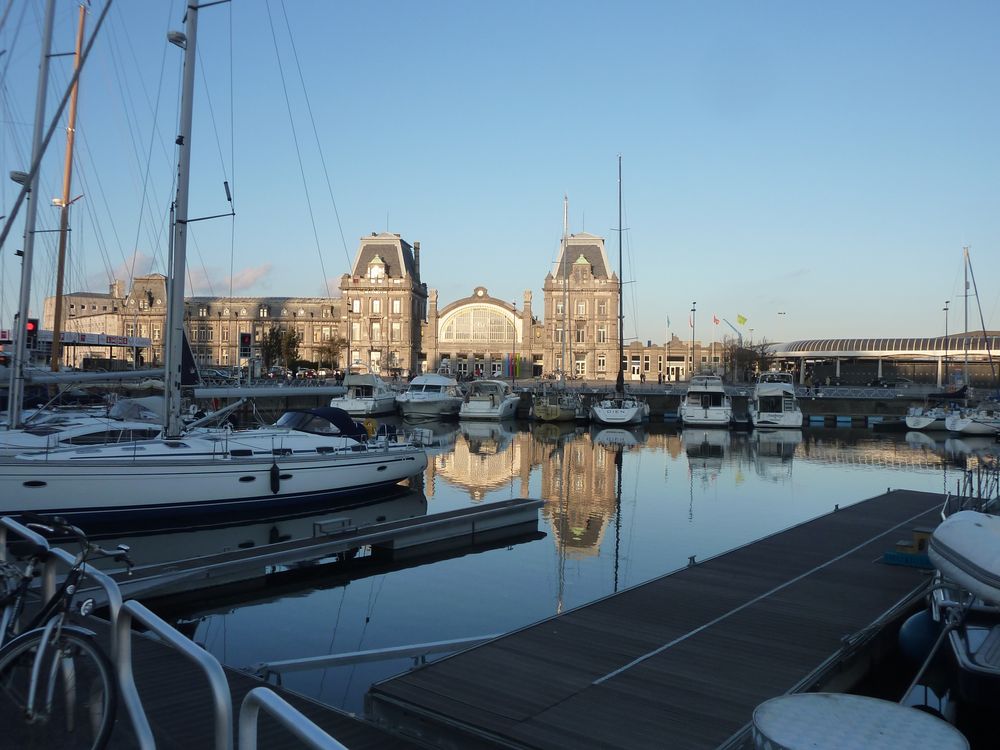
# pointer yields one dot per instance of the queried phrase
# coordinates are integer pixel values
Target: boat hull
(484, 409)
(424, 408)
(786, 420)
(711, 417)
(109, 492)
(366, 407)
(619, 413)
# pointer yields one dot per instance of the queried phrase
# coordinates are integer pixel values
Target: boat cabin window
(770, 403)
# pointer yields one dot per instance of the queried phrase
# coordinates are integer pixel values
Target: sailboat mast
(175, 310)
(965, 367)
(620, 385)
(66, 200)
(16, 392)
(565, 263)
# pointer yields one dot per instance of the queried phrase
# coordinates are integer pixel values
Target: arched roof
(976, 343)
(478, 318)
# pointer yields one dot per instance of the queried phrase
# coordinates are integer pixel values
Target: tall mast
(965, 367)
(175, 310)
(16, 391)
(66, 200)
(620, 384)
(565, 264)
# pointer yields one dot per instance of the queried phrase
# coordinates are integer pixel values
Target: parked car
(890, 383)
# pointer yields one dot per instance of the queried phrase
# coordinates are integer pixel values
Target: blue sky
(826, 161)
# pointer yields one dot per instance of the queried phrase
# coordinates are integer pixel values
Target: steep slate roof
(591, 247)
(395, 251)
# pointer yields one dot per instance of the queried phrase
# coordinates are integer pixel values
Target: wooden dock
(681, 661)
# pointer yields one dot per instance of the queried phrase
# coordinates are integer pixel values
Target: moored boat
(367, 395)
(430, 396)
(773, 402)
(489, 399)
(706, 403)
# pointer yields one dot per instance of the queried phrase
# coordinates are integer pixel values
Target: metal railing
(261, 697)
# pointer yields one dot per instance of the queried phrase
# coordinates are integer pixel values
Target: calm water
(678, 493)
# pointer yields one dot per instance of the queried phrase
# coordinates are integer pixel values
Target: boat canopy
(322, 420)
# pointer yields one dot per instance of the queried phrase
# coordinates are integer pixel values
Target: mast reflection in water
(621, 507)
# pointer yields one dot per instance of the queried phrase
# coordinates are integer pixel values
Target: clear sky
(814, 167)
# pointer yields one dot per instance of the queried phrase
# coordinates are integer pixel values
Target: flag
(741, 320)
(668, 321)
(690, 321)
(715, 319)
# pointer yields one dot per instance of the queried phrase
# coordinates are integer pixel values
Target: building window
(559, 307)
(602, 363)
(356, 331)
(156, 331)
(224, 334)
(559, 336)
(397, 331)
(602, 334)
(581, 335)
(581, 307)
(602, 307)
(129, 329)
(263, 312)
(397, 306)
(645, 363)
(376, 331)
(580, 367)
(376, 307)
(356, 306)
(659, 363)
(202, 311)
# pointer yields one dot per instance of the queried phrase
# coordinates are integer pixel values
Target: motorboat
(430, 396)
(367, 395)
(309, 456)
(773, 451)
(706, 403)
(983, 420)
(620, 409)
(489, 399)
(927, 418)
(965, 599)
(556, 405)
(773, 402)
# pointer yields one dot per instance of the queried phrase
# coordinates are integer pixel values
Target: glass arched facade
(478, 324)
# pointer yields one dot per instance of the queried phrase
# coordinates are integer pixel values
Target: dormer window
(263, 312)
(376, 269)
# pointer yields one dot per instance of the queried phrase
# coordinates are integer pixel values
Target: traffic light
(30, 333)
(245, 342)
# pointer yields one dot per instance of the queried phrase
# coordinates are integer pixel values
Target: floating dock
(683, 660)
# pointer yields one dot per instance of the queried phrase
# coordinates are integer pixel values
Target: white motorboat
(966, 599)
(308, 456)
(706, 403)
(773, 402)
(984, 420)
(489, 399)
(367, 395)
(430, 396)
(927, 418)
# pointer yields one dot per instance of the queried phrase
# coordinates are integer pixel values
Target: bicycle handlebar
(52, 525)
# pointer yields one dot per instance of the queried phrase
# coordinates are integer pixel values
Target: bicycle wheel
(75, 694)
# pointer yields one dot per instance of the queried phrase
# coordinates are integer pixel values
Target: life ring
(371, 427)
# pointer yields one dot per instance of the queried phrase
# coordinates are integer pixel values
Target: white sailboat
(620, 408)
(310, 456)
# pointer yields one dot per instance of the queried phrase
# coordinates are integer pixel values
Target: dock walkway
(680, 661)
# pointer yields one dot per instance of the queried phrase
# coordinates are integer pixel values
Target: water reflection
(621, 507)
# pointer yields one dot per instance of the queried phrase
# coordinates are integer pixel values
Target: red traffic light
(31, 325)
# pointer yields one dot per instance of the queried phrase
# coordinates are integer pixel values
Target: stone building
(581, 311)
(384, 305)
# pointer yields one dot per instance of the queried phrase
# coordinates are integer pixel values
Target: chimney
(117, 289)
(416, 260)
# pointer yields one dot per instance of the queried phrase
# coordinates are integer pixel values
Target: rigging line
(13, 44)
(298, 152)
(319, 146)
(3, 18)
(232, 155)
(211, 114)
(333, 634)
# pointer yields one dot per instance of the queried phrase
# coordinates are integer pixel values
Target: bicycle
(54, 675)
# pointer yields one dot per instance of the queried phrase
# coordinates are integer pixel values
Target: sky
(814, 168)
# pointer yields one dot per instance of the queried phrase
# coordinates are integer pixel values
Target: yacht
(367, 395)
(620, 409)
(556, 404)
(773, 402)
(927, 418)
(984, 420)
(431, 396)
(489, 399)
(706, 403)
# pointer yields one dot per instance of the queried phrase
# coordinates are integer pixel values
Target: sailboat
(309, 457)
(620, 408)
(556, 403)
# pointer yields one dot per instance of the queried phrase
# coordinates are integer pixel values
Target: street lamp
(691, 373)
(781, 327)
(946, 303)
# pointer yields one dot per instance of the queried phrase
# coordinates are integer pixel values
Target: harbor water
(621, 507)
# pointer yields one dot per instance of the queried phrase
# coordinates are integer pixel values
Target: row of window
(263, 311)
(579, 307)
(375, 306)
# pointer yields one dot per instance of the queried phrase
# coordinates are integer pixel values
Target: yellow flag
(740, 319)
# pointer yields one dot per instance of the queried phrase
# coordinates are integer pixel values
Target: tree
(748, 357)
(279, 347)
(329, 352)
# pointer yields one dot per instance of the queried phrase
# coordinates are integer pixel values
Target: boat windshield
(428, 388)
